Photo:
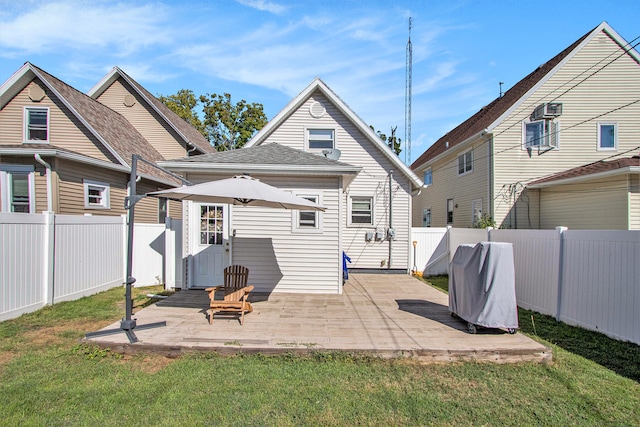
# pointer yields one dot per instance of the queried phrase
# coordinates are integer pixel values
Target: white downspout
(49, 189)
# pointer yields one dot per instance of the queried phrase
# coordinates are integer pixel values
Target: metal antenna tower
(407, 100)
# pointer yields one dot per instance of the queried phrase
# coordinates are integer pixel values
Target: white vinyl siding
(280, 260)
(372, 181)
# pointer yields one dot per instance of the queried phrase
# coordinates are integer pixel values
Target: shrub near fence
(587, 278)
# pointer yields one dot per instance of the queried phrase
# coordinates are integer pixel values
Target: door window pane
(211, 225)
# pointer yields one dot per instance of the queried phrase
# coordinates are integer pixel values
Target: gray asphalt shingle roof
(266, 154)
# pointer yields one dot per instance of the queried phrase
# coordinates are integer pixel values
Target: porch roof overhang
(28, 151)
(585, 178)
(348, 173)
(267, 159)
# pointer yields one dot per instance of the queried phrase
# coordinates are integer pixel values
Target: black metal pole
(128, 324)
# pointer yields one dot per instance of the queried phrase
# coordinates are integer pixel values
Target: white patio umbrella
(239, 190)
(242, 190)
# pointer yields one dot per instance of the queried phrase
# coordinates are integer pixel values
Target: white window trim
(295, 216)
(25, 123)
(424, 212)
(306, 137)
(464, 156)
(475, 202)
(615, 136)
(430, 170)
(5, 180)
(545, 143)
(106, 194)
(350, 223)
(453, 206)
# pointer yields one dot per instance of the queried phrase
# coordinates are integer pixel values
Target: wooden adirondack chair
(236, 293)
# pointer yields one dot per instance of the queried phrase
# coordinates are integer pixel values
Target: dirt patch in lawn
(61, 333)
(148, 363)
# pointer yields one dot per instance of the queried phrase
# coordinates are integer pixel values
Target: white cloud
(263, 5)
(63, 26)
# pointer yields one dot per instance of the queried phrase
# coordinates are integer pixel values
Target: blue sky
(268, 51)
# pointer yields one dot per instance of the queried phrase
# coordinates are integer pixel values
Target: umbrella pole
(128, 324)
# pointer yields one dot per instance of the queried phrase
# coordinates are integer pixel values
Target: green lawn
(48, 378)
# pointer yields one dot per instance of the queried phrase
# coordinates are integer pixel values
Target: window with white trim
(96, 195)
(36, 124)
(211, 225)
(476, 211)
(361, 210)
(163, 209)
(541, 134)
(465, 163)
(449, 211)
(320, 139)
(307, 221)
(17, 189)
(428, 177)
(426, 217)
(607, 136)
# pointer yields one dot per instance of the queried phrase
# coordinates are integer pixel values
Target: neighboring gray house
(317, 148)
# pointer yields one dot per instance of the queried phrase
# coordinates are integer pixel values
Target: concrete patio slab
(378, 314)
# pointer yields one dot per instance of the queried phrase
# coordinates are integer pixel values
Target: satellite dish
(333, 153)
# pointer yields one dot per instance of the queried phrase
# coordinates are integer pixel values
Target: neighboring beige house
(608, 190)
(316, 148)
(169, 134)
(579, 108)
(62, 151)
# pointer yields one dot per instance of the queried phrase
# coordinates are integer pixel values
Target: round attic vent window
(36, 94)
(129, 100)
(317, 110)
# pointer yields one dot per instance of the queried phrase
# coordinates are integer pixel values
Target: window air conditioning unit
(547, 110)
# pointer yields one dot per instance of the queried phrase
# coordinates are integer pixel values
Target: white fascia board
(251, 167)
(81, 118)
(585, 178)
(103, 84)
(5, 89)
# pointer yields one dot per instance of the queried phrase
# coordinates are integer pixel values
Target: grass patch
(47, 377)
(621, 357)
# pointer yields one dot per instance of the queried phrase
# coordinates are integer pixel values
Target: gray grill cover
(482, 285)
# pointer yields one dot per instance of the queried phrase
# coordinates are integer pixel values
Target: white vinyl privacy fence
(47, 258)
(588, 278)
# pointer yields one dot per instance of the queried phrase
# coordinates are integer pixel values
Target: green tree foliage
(183, 103)
(226, 125)
(392, 141)
(229, 125)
